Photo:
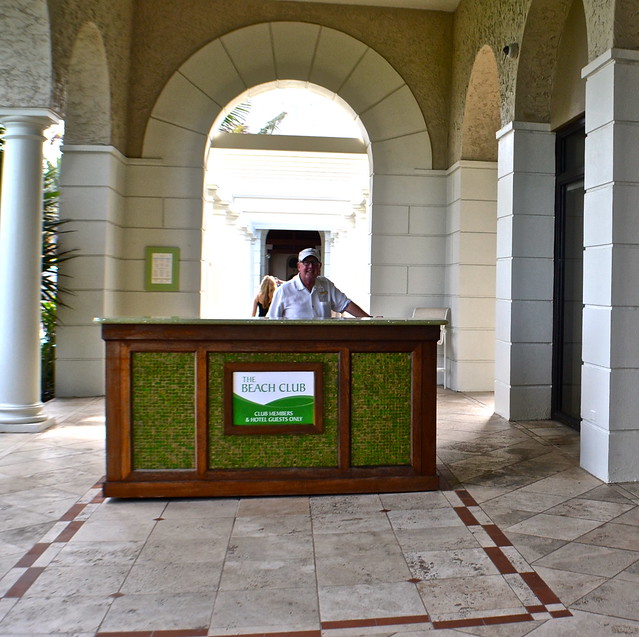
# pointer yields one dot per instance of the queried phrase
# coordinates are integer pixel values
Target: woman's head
(267, 288)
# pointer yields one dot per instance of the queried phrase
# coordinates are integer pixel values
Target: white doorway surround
(257, 183)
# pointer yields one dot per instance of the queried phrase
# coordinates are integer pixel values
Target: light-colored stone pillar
(610, 376)
(92, 201)
(525, 261)
(471, 228)
(21, 409)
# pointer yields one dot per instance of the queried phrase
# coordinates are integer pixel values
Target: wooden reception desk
(172, 421)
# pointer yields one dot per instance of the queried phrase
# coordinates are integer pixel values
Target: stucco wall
(164, 33)
(25, 54)
(526, 82)
(113, 19)
(416, 43)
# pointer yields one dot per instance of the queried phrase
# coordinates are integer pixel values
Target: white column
(471, 227)
(21, 409)
(525, 261)
(610, 376)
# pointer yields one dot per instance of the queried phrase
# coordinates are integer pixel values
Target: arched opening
(481, 112)
(294, 174)
(471, 229)
(90, 201)
(88, 103)
(177, 140)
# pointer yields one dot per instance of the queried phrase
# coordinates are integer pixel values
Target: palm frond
(234, 122)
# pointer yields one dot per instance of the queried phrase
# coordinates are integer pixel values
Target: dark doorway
(282, 248)
(568, 290)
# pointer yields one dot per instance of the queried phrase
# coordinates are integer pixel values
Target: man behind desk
(309, 295)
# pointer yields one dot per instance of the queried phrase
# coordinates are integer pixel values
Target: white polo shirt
(293, 301)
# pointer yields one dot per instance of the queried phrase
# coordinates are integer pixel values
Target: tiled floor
(519, 542)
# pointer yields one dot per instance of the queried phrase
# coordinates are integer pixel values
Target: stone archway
(537, 61)
(88, 103)
(472, 233)
(177, 133)
(91, 193)
(481, 111)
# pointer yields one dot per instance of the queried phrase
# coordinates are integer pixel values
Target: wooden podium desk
(181, 420)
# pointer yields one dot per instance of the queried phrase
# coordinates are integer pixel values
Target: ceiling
(432, 5)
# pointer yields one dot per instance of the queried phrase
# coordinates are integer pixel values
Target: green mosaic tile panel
(163, 410)
(272, 450)
(380, 409)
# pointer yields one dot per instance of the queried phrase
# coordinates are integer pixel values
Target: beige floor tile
(259, 610)
(67, 581)
(268, 574)
(258, 526)
(568, 585)
(587, 625)
(376, 566)
(438, 565)
(589, 559)
(271, 547)
(97, 553)
(595, 510)
(556, 527)
(33, 615)
(349, 523)
(619, 536)
(273, 506)
(613, 598)
(338, 603)
(166, 611)
(464, 597)
(157, 578)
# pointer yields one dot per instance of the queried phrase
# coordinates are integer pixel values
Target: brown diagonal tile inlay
(29, 558)
(532, 579)
(540, 588)
(196, 632)
(73, 512)
(466, 516)
(496, 535)
(71, 529)
(374, 621)
(25, 581)
(466, 498)
(481, 621)
(500, 560)
(505, 567)
(294, 633)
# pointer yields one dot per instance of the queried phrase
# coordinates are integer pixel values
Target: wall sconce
(511, 50)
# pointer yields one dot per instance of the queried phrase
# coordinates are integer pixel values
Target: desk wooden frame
(343, 337)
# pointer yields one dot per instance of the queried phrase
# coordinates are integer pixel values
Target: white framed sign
(273, 398)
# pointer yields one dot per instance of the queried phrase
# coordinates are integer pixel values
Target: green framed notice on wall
(161, 269)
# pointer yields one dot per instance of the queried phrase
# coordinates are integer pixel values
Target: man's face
(309, 270)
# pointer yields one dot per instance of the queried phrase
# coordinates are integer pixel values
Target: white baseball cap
(308, 252)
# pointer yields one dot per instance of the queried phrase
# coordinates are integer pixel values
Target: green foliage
(52, 228)
(272, 125)
(51, 288)
(235, 121)
(47, 350)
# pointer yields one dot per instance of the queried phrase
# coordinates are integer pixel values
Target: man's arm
(356, 310)
(276, 310)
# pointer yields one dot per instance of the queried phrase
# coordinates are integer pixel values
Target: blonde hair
(267, 289)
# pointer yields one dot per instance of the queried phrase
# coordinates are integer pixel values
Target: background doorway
(282, 248)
